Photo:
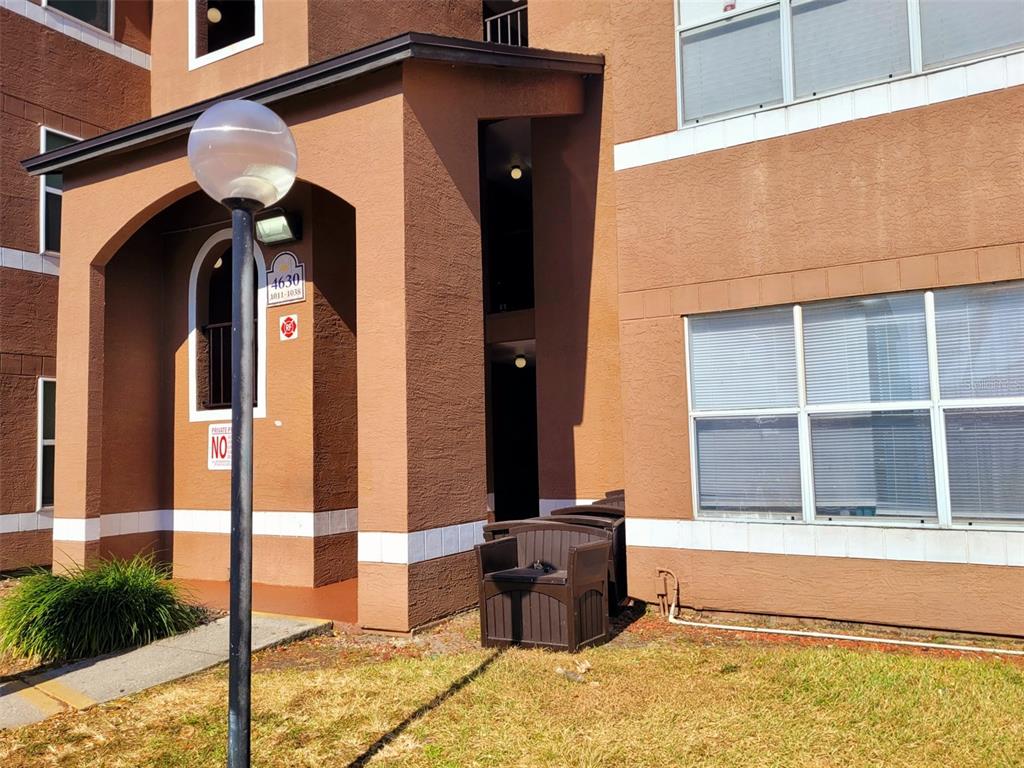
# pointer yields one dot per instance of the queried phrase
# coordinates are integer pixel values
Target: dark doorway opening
(513, 405)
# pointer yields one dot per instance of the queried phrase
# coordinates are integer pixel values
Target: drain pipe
(673, 619)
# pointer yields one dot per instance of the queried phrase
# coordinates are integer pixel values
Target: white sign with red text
(288, 325)
(218, 447)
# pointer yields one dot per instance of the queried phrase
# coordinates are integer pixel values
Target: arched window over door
(209, 331)
(217, 333)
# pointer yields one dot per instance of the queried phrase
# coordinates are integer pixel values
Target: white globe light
(242, 150)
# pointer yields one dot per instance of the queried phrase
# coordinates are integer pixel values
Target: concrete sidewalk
(31, 698)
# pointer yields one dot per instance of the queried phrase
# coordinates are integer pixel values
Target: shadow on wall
(145, 334)
(565, 182)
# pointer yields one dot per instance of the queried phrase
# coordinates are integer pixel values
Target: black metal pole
(242, 378)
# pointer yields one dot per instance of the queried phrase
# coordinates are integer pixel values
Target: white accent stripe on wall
(417, 546)
(919, 90)
(547, 506)
(43, 263)
(26, 521)
(77, 30)
(882, 542)
(299, 524)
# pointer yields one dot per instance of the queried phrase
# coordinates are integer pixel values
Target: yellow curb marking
(314, 619)
(36, 698)
(65, 693)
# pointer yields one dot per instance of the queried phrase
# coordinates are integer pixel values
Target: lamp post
(244, 157)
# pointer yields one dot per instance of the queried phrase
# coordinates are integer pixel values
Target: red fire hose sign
(289, 327)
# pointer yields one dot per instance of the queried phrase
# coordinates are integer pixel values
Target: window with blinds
(844, 410)
(744, 55)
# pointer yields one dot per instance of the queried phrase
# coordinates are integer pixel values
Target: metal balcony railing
(508, 27)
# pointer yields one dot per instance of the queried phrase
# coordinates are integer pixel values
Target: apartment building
(757, 263)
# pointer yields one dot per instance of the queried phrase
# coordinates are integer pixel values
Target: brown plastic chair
(562, 606)
(613, 526)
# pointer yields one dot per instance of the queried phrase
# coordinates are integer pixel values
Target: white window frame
(43, 189)
(786, 41)
(936, 405)
(84, 24)
(41, 441)
(259, 411)
(195, 62)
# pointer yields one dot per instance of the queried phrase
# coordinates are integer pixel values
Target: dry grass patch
(653, 697)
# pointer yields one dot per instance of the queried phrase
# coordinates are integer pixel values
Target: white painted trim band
(26, 521)
(547, 506)
(929, 545)
(43, 263)
(78, 30)
(918, 90)
(417, 546)
(296, 524)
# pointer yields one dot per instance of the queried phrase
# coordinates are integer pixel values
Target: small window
(52, 189)
(46, 442)
(95, 13)
(224, 27)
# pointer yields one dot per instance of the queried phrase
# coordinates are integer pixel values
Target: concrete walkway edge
(29, 698)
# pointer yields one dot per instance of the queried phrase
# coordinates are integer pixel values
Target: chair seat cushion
(528, 576)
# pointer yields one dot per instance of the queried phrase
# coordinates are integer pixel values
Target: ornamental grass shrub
(108, 606)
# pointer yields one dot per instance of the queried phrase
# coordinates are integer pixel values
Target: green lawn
(655, 696)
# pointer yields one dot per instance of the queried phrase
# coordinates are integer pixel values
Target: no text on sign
(218, 446)
(288, 325)
(286, 280)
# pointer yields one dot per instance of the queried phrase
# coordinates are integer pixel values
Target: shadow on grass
(625, 618)
(431, 705)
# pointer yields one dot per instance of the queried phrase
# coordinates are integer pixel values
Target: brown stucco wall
(335, 409)
(28, 321)
(969, 598)
(133, 22)
(136, 466)
(579, 411)
(339, 26)
(284, 47)
(48, 78)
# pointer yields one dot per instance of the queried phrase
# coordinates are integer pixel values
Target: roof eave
(412, 45)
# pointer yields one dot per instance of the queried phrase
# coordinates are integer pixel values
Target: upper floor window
(51, 193)
(221, 28)
(906, 408)
(744, 55)
(505, 22)
(95, 13)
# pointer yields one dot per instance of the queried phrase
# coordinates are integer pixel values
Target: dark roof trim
(413, 45)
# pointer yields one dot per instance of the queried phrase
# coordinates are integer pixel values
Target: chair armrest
(589, 562)
(497, 555)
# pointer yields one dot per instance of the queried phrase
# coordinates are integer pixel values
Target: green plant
(108, 606)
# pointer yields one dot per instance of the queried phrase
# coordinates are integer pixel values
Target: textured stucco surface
(971, 598)
(338, 26)
(915, 182)
(335, 409)
(284, 47)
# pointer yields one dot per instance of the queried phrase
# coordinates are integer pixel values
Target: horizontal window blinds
(743, 360)
(734, 64)
(873, 465)
(749, 467)
(866, 350)
(958, 29)
(980, 336)
(986, 464)
(842, 42)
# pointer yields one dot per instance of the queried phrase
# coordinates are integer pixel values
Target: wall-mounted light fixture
(276, 226)
(516, 172)
(520, 361)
